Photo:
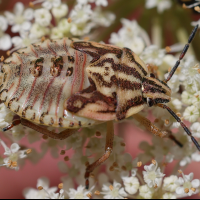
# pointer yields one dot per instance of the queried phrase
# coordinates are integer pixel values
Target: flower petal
(19, 8)
(15, 148)
(15, 28)
(5, 42)
(180, 190)
(10, 17)
(28, 14)
(195, 183)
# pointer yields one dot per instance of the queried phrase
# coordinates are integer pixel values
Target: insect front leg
(108, 151)
(59, 136)
(155, 130)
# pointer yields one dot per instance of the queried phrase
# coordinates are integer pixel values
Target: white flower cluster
(161, 5)
(53, 20)
(132, 36)
(152, 185)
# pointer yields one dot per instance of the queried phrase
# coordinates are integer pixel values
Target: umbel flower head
(187, 185)
(152, 175)
(13, 155)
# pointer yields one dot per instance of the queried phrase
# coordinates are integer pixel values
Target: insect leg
(182, 54)
(155, 130)
(181, 123)
(14, 123)
(61, 136)
(108, 151)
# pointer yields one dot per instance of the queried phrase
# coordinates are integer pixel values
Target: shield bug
(71, 84)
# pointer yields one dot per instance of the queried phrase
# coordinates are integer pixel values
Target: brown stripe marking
(34, 51)
(20, 77)
(48, 45)
(129, 55)
(35, 100)
(44, 96)
(58, 99)
(32, 87)
(123, 84)
(120, 68)
(65, 47)
(10, 87)
(21, 94)
(83, 72)
(75, 74)
(137, 101)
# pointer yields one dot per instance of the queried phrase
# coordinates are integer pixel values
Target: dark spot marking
(42, 117)
(11, 101)
(71, 59)
(71, 124)
(57, 66)
(38, 66)
(79, 123)
(61, 122)
(70, 71)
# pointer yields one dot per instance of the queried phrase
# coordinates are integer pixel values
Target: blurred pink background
(12, 183)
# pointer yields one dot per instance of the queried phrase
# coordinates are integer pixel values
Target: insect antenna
(185, 49)
(181, 123)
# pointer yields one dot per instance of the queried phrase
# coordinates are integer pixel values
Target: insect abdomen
(40, 78)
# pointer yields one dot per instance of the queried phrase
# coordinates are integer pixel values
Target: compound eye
(152, 75)
(150, 102)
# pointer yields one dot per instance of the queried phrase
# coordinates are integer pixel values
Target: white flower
(177, 104)
(195, 129)
(101, 3)
(60, 11)
(131, 35)
(169, 196)
(31, 193)
(81, 13)
(59, 195)
(39, 31)
(196, 156)
(160, 4)
(56, 33)
(152, 175)
(153, 55)
(102, 18)
(170, 184)
(196, 99)
(6, 116)
(21, 18)
(187, 185)
(81, 29)
(146, 192)
(114, 192)
(48, 4)
(43, 17)
(80, 193)
(187, 98)
(5, 40)
(13, 155)
(85, 1)
(191, 114)
(24, 40)
(131, 184)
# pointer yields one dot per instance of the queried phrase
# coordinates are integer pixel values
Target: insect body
(72, 84)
